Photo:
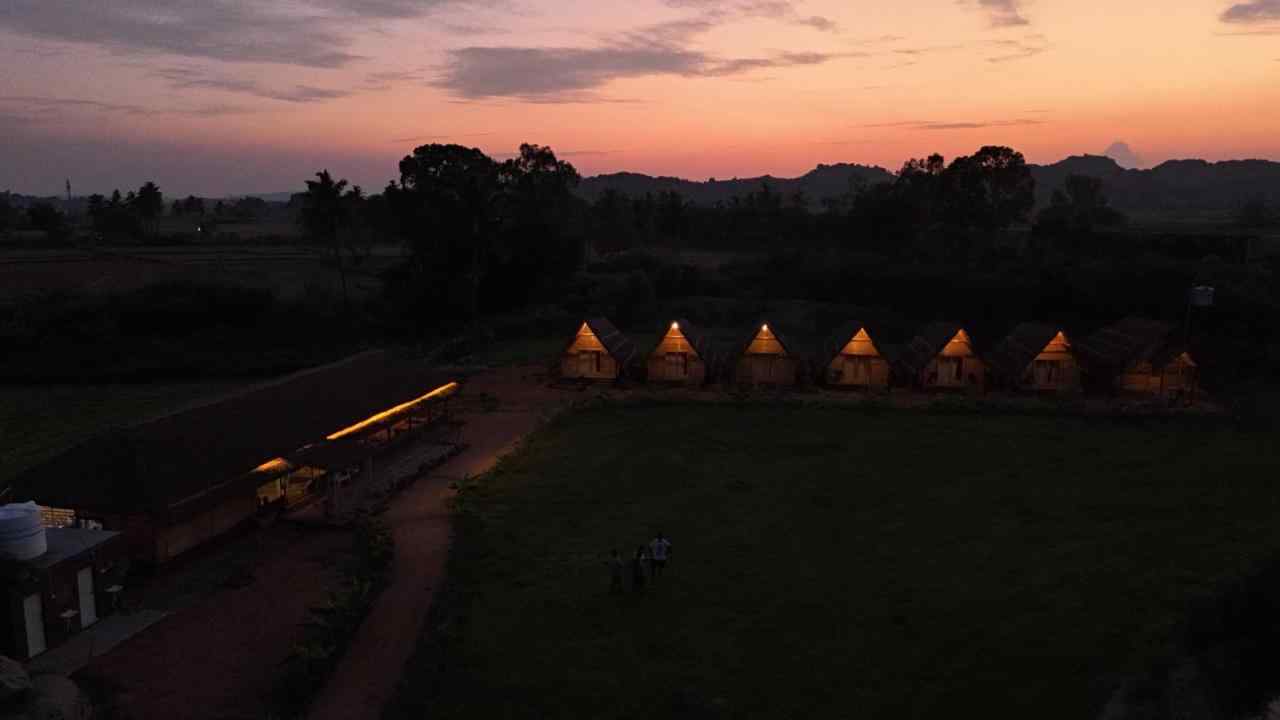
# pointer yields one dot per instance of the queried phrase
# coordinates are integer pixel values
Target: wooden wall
(587, 358)
(956, 367)
(1179, 376)
(859, 364)
(172, 540)
(1065, 375)
(685, 368)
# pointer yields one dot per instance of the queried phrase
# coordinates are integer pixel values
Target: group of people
(647, 564)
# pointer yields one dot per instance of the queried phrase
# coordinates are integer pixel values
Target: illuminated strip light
(275, 465)
(442, 391)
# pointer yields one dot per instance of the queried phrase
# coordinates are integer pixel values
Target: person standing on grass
(659, 551)
(615, 572)
(638, 570)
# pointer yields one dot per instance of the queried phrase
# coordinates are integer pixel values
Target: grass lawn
(41, 421)
(831, 563)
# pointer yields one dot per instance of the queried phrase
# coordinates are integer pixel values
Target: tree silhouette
(1080, 205)
(326, 214)
(989, 190)
(149, 203)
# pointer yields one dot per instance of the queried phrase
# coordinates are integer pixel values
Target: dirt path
(215, 658)
(419, 517)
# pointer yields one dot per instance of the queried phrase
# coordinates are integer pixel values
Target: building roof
(839, 338)
(1132, 341)
(697, 339)
(1020, 347)
(791, 344)
(618, 345)
(67, 543)
(926, 345)
(156, 464)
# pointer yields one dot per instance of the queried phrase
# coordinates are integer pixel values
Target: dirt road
(419, 517)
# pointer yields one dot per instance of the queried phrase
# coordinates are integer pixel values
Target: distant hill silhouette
(822, 182)
(1174, 186)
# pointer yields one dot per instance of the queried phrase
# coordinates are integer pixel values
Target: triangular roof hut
(598, 351)
(1142, 355)
(851, 358)
(683, 355)
(766, 357)
(1036, 356)
(942, 355)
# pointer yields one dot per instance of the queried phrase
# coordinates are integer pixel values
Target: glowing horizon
(228, 97)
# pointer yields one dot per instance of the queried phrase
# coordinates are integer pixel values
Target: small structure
(69, 587)
(942, 357)
(767, 358)
(1142, 356)
(171, 483)
(599, 351)
(683, 356)
(853, 360)
(1036, 358)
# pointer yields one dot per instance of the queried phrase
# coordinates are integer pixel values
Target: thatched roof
(705, 348)
(926, 345)
(1130, 342)
(1020, 347)
(791, 345)
(154, 465)
(618, 345)
(839, 338)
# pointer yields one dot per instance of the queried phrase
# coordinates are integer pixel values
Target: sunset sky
(220, 97)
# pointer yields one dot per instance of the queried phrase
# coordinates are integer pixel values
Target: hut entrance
(950, 371)
(677, 366)
(857, 370)
(1047, 372)
(588, 363)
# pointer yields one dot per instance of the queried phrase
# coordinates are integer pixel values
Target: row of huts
(1135, 355)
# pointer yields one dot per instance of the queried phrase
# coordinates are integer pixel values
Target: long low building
(171, 483)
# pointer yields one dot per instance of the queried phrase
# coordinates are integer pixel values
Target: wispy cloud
(314, 33)
(557, 75)
(932, 125)
(189, 78)
(719, 11)
(1001, 13)
(1252, 12)
(438, 138)
(1018, 48)
(42, 107)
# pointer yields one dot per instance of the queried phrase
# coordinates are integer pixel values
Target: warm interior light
(675, 326)
(765, 327)
(442, 391)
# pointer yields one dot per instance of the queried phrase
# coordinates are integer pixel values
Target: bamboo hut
(767, 358)
(1142, 356)
(942, 357)
(853, 360)
(599, 351)
(1036, 358)
(683, 356)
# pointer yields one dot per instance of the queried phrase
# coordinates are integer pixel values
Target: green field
(835, 563)
(41, 421)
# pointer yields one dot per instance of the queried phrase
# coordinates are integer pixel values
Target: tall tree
(149, 203)
(989, 190)
(1079, 206)
(325, 215)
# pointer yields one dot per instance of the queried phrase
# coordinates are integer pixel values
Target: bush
(332, 626)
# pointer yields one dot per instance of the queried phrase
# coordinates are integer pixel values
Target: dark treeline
(483, 239)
